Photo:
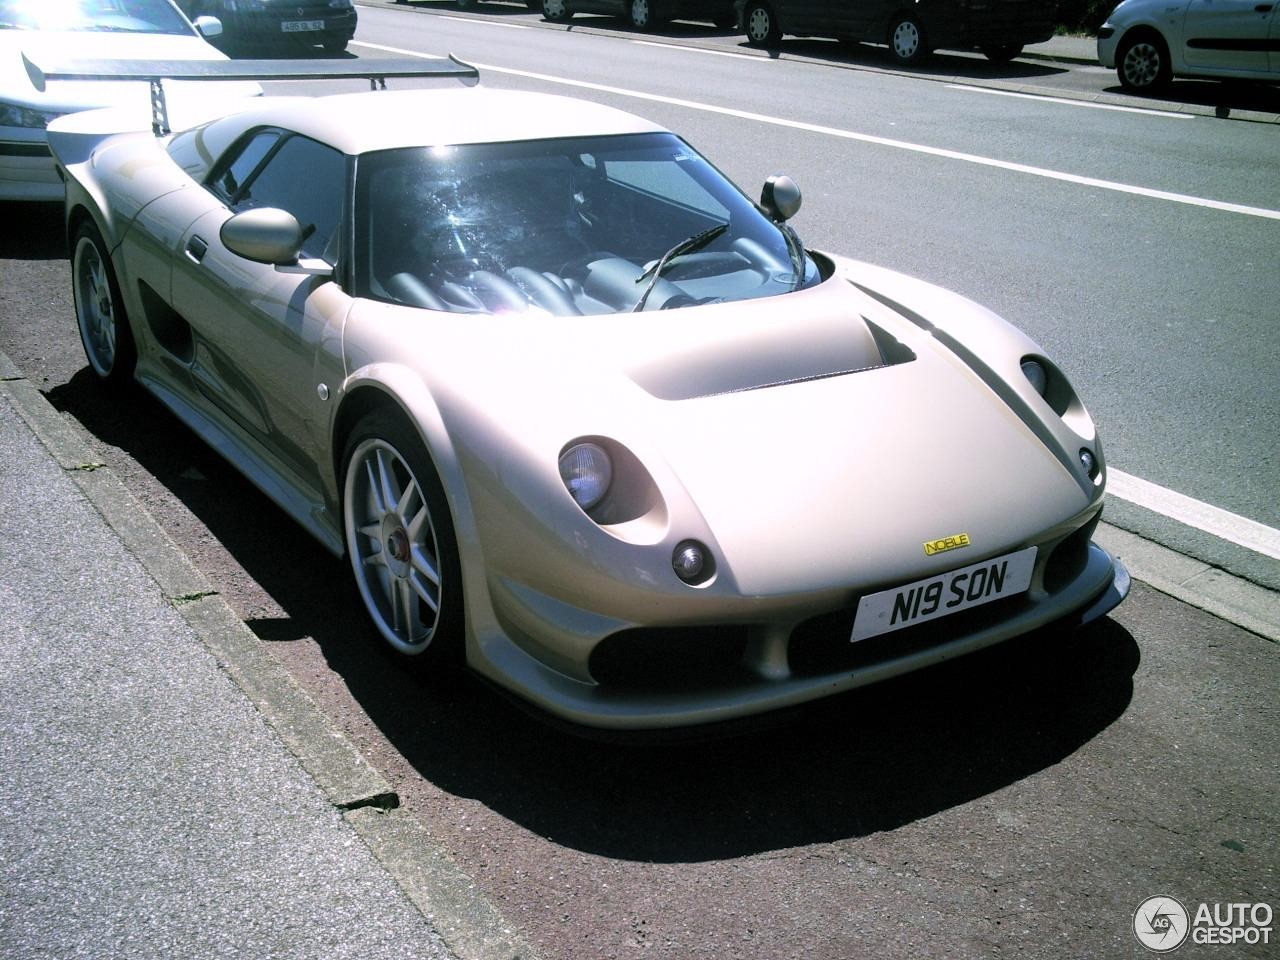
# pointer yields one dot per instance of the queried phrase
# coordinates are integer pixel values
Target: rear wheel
(760, 24)
(104, 326)
(400, 540)
(907, 40)
(1142, 63)
(640, 14)
(557, 11)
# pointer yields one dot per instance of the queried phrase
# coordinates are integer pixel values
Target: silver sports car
(579, 412)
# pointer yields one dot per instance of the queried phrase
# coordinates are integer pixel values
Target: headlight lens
(12, 115)
(587, 473)
(1034, 371)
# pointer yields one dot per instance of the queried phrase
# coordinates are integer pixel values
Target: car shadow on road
(1224, 96)
(32, 231)
(941, 64)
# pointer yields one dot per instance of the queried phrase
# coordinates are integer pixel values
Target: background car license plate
(928, 599)
(298, 26)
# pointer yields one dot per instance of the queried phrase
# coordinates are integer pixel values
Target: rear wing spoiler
(375, 70)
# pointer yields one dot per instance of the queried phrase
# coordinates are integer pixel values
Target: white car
(1149, 42)
(101, 29)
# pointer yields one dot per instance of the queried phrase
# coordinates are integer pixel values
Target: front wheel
(761, 25)
(907, 40)
(1002, 52)
(557, 11)
(400, 540)
(1143, 63)
(100, 314)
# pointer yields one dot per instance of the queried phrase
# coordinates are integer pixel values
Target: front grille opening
(1069, 558)
(671, 658)
(821, 644)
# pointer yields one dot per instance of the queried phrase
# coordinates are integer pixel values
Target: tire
(557, 11)
(1142, 63)
(640, 15)
(335, 47)
(465, 4)
(1002, 52)
(100, 314)
(907, 41)
(400, 540)
(760, 24)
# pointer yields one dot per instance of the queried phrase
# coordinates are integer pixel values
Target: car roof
(358, 123)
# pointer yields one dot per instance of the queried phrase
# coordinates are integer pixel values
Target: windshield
(111, 16)
(584, 226)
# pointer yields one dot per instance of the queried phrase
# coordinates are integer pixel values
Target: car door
(265, 339)
(1227, 34)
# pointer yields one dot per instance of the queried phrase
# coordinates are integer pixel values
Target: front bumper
(27, 170)
(692, 676)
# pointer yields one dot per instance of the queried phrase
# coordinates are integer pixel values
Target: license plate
(951, 592)
(298, 26)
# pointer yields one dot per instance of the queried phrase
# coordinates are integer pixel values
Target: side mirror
(208, 27)
(780, 198)
(265, 234)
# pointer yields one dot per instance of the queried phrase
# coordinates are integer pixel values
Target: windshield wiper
(696, 242)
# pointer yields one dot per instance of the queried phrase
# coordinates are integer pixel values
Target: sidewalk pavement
(166, 791)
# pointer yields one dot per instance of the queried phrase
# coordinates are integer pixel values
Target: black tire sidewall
(126, 354)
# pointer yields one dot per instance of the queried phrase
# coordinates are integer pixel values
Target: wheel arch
(402, 392)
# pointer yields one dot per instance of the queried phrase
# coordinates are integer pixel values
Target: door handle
(196, 249)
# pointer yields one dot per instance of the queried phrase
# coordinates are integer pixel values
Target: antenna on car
(375, 69)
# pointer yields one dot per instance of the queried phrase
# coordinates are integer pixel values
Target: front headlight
(587, 472)
(12, 115)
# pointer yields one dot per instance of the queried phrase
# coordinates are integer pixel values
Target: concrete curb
(468, 923)
(1008, 86)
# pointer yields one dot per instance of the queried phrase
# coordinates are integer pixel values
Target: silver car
(1149, 42)
(579, 412)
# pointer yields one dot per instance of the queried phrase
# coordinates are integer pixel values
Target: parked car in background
(101, 29)
(912, 29)
(644, 14)
(274, 23)
(1149, 42)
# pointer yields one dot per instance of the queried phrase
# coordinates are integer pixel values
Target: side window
(228, 183)
(307, 179)
(656, 179)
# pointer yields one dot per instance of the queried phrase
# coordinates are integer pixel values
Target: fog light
(689, 561)
(1088, 461)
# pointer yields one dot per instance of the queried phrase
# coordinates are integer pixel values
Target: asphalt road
(1024, 801)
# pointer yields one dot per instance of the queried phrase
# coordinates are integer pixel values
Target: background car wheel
(557, 11)
(464, 4)
(100, 314)
(640, 14)
(400, 540)
(1002, 53)
(907, 40)
(1143, 62)
(761, 25)
(335, 47)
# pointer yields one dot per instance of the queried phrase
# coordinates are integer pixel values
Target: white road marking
(711, 53)
(491, 23)
(1070, 103)
(1194, 513)
(869, 138)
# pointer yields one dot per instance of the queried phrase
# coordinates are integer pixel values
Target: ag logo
(1161, 924)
